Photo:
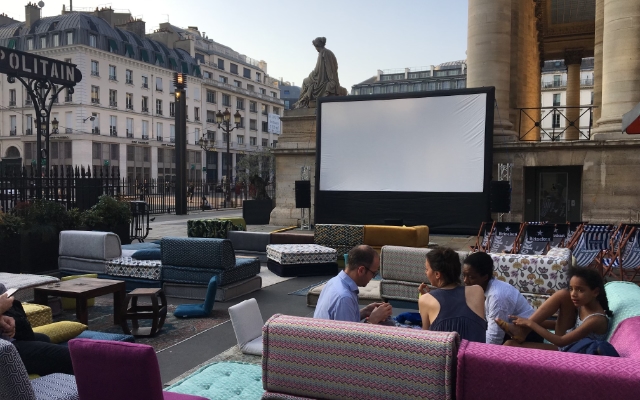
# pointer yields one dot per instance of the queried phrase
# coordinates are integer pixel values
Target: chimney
(263, 65)
(135, 26)
(106, 14)
(32, 14)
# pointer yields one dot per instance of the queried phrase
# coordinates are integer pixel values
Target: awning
(631, 121)
(173, 62)
(185, 67)
(159, 57)
(129, 49)
(113, 46)
(144, 55)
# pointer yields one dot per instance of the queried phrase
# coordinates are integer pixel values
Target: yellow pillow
(61, 331)
(70, 304)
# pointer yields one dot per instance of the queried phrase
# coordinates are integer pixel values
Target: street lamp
(207, 143)
(223, 120)
(54, 126)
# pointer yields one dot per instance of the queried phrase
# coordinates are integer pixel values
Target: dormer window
(30, 44)
(56, 40)
(43, 42)
(69, 38)
(93, 41)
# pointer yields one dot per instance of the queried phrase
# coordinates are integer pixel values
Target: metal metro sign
(30, 66)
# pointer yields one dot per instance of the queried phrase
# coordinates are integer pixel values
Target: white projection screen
(422, 158)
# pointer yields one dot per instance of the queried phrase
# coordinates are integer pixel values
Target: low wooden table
(83, 289)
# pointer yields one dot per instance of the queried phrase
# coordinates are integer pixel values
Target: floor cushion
(130, 267)
(37, 314)
(26, 283)
(245, 267)
(222, 381)
(624, 302)
(223, 293)
(95, 335)
(300, 253)
(303, 269)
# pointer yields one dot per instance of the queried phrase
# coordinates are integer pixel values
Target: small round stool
(156, 312)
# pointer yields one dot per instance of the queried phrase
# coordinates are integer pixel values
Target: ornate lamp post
(54, 126)
(223, 120)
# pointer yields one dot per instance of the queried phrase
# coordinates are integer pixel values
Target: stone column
(489, 57)
(621, 66)
(573, 59)
(597, 60)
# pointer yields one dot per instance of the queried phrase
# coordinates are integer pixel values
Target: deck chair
(537, 239)
(506, 236)
(575, 229)
(484, 237)
(560, 234)
(626, 257)
(592, 241)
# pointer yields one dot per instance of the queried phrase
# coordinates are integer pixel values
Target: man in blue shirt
(339, 298)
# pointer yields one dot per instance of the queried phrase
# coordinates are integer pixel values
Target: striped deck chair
(593, 240)
(626, 257)
(560, 234)
(536, 239)
(506, 237)
(573, 234)
(484, 237)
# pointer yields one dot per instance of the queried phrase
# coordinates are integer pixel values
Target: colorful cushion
(238, 222)
(118, 337)
(625, 338)
(624, 302)
(531, 273)
(130, 267)
(410, 236)
(301, 254)
(37, 314)
(222, 380)
(148, 254)
(406, 263)
(209, 228)
(61, 331)
(70, 304)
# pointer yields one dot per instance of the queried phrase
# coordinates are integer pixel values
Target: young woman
(451, 307)
(583, 312)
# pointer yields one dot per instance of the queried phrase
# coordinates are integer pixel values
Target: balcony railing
(28, 132)
(68, 130)
(12, 103)
(95, 73)
(246, 92)
(159, 138)
(95, 131)
(13, 132)
(113, 131)
(95, 101)
(129, 134)
(28, 102)
(112, 78)
(145, 136)
(172, 140)
(129, 81)
(68, 99)
(113, 104)
(563, 84)
(145, 109)
(550, 123)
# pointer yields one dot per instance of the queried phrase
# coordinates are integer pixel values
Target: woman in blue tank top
(451, 307)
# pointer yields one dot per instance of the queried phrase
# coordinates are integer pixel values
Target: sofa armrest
(487, 371)
(410, 236)
(249, 241)
(90, 245)
(336, 359)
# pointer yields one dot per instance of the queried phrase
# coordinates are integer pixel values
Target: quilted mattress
(130, 267)
(285, 254)
(26, 283)
(245, 267)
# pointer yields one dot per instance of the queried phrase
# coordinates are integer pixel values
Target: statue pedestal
(296, 149)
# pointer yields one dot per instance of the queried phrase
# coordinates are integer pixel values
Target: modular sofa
(87, 252)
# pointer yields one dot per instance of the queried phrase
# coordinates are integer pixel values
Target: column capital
(573, 56)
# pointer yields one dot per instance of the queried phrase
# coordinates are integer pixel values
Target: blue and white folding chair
(593, 240)
(506, 237)
(560, 235)
(573, 234)
(626, 259)
(536, 239)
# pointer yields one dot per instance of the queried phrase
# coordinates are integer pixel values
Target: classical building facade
(122, 112)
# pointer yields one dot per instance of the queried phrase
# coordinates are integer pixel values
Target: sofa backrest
(14, 380)
(626, 338)
(198, 252)
(407, 263)
(382, 235)
(624, 302)
(332, 235)
(90, 245)
(326, 359)
(249, 241)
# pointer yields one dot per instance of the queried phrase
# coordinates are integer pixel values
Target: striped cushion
(336, 360)
(406, 263)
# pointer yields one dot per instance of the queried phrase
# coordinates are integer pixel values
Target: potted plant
(10, 228)
(111, 215)
(257, 171)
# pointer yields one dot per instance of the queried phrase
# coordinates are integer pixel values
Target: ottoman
(223, 293)
(38, 315)
(301, 260)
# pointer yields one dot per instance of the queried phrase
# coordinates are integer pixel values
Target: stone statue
(323, 80)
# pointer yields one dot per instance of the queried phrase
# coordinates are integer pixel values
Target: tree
(258, 170)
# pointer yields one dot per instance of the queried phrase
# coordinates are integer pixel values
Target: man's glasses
(375, 273)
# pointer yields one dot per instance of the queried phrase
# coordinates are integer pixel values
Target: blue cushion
(140, 246)
(199, 310)
(148, 254)
(118, 337)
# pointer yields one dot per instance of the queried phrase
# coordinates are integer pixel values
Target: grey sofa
(252, 244)
(87, 252)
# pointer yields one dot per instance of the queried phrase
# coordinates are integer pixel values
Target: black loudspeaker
(500, 196)
(303, 194)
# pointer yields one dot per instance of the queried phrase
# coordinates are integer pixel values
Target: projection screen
(422, 157)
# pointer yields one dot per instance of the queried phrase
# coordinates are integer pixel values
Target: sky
(365, 35)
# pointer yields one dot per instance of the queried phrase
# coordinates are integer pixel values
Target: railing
(563, 83)
(95, 101)
(145, 137)
(95, 131)
(12, 103)
(68, 99)
(550, 123)
(243, 91)
(129, 134)
(28, 131)
(13, 132)
(113, 104)
(129, 106)
(159, 138)
(68, 130)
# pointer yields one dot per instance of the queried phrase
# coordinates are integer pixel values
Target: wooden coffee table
(83, 289)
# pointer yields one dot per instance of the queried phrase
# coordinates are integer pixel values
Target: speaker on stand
(500, 196)
(303, 201)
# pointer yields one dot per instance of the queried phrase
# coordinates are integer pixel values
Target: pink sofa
(486, 371)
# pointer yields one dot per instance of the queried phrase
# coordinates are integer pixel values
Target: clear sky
(365, 35)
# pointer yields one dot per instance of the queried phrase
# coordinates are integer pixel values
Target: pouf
(237, 221)
(301, 260)
(223, 381)
(304, 269)
(223, 293)
(37, 314)
(70, 304)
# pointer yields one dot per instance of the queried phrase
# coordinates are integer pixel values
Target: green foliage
(108, 211)
(43, 217)
(10, 225)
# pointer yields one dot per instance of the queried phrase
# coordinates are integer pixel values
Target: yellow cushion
(37, 314)
(70, 304)
(33, 376)
(377, 236)
(61, 331)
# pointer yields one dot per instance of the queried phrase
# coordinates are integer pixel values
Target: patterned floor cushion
(245, 267)
(223, 293)
(305, 269)
(333, 235)
(300, 253)
(127, 266)
(232, 381)
(37, 314)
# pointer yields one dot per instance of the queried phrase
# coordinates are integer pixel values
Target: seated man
(339, 298)
(38, 355)
(501, 299)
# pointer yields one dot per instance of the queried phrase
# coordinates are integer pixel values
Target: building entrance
(553, 194)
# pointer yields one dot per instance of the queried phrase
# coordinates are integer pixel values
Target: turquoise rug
(223, 381)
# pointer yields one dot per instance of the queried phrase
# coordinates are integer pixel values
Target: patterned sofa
(311, 358)
(539, 374)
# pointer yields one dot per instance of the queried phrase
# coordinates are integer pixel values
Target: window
(159, 131)
(196, 113)
(113, 125)
(258, 76)
(253, 141)
(56, 40)
(265, 126)
(112, 73)
(145, 82)
(129, 101)
(207, 75)
(158, 107)
(265, 142)
(274, 94)
(253, 106)
(240, 103)
(263, 90)
(145, 129)
(13, 123)
(93, 41)
(69, 38)
(95, 68)
(29, 130)
(114, 150)
(241, 124)
(96, 124)
(253, 124)
(30, 44)
(557, 80)
(251, 88)
(274, 144)
(95, 94)
(225, 137)
(237, 84)
(211, 96)
(220, 64)
(128, 77)
(145, 104)
(233, 68)
(113, 98)
(276, 110)
(12, 97)
(223, 79)
(556, 99)
(172, 109)
(265, 109)
(158, 84)
(172, 133)
(211, 116)
(226, 100)
(197, 134)
(129, 127)
(240, 139)
(43, 42)
(556, 120)
(246, 72)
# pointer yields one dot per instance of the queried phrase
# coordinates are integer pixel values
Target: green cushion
(624, 302)
(223, 380)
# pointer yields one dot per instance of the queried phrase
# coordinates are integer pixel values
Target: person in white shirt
(501, 299)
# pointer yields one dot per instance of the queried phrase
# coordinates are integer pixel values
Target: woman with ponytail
(583, 312)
